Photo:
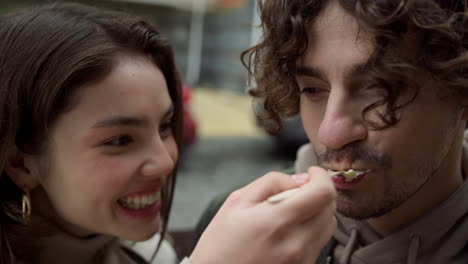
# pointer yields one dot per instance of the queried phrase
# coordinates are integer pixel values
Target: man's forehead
(332, 17)
(334, 24)
(336, 45)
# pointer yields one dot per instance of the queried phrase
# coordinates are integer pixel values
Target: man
(381, 88)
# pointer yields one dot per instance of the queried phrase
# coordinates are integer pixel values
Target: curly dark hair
(440, 25)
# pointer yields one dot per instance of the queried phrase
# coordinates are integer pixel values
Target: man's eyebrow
(302, 70)
(357, 69)
(354, 70)
(120, 120)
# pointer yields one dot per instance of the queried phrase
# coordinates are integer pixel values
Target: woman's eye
(119, 141)
(165, 129)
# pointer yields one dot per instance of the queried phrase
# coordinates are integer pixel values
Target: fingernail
(300, 177)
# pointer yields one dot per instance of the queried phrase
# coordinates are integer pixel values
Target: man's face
(335, 89)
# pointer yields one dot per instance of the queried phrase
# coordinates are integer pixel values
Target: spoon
(349, 175)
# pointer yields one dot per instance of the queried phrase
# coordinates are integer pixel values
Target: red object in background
(190, 126)
(231, 3)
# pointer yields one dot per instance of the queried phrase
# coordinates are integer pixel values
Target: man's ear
(22, 170)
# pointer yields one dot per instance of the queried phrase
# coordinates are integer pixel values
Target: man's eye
(373, 89)
(371, 85)
(312, 91)
(119, 141)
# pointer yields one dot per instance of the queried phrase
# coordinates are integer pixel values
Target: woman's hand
(249, 230)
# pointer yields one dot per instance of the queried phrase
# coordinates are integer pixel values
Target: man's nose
(343, 122)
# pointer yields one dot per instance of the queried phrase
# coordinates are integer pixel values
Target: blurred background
(226, 147)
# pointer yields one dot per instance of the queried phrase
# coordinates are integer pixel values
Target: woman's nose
(160, 158)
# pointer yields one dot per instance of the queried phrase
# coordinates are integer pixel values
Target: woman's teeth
(141, 201)
(349, 175)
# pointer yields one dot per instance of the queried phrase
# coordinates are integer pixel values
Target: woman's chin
(137, 228)
(140, 235)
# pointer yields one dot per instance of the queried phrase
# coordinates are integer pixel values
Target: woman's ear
(22, 170)
(464, 107)
(465, 112)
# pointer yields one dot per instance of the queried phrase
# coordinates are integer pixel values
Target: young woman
(90, 130)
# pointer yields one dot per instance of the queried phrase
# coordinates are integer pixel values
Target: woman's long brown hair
(45, 55)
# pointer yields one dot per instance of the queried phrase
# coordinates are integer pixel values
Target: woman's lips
(136, 202)
(144, 202)
(147, 188)
(151, 210)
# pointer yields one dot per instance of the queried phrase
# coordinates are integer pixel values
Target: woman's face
(111, 155)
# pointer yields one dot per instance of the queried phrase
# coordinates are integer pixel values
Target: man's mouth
(348, 175)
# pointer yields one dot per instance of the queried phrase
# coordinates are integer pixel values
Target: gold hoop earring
(26, 206)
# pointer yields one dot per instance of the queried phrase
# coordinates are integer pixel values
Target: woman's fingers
(311, 236)
(268, 185)
(249, 230)
(310, 199)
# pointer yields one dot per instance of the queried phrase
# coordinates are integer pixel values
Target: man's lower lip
(146, 212)
(341, 183)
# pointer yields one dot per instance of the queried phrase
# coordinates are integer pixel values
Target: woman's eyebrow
(169, 111)
(121, 121)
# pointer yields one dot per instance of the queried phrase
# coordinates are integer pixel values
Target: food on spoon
(349, 176)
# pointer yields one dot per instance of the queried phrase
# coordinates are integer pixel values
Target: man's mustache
(354, 152)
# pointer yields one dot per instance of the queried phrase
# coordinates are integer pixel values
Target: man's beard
(367, 206)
